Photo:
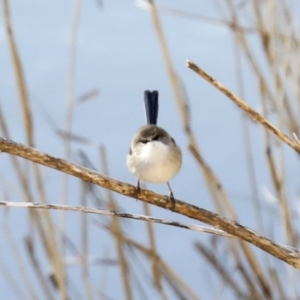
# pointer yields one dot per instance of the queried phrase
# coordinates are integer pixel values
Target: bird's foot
(172, 200)
(137, 190)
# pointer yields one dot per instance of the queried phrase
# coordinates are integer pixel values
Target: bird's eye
(144, 141)
(155, 138)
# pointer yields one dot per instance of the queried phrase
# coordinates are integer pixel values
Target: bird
(154, 156)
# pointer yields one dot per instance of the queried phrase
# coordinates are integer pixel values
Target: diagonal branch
(288, 254)
(251, 112)
(105, 212)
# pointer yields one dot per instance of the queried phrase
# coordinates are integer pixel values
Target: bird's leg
(171, 197)
(137, 189)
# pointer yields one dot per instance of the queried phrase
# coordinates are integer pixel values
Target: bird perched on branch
(154, 155)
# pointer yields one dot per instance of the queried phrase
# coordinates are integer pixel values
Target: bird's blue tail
(151, 106)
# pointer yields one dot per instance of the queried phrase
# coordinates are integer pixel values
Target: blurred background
(72, 79)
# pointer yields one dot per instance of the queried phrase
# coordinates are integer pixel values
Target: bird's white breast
(154, 161)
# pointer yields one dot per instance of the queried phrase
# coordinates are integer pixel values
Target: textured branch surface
(251, 112)
(288, 254)
(105, 212)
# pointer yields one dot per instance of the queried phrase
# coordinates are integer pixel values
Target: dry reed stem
(234, 249)
(215, 188)
(43, 279)
(174, 280)
(213, 259)
(289, 255)
(48, 238)
(251, 112)
(113, 213)
(21, 266)
(214, 185)
(253, 262)
(117, 233)
(84, 241)
(156, 274)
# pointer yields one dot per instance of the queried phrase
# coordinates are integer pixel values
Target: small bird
(153, 156)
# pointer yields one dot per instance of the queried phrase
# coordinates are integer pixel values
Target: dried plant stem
(214, 260)
(116, 229)
(177, 284)
(114, 213)
(156, 274)
(213, 183)
(70, 105)
(254, 115)
(47, 231)
(84, 232)
(19, 261)
(289, 255)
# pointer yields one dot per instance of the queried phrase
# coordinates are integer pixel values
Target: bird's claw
(137, 190)
(172, 199)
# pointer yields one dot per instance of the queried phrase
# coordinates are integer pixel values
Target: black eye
(144, 141)
(155, 138)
